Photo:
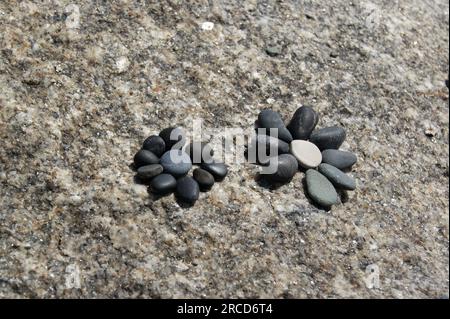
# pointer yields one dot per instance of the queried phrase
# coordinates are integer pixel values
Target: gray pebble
(303, 123)
(270, 119)
(339, 159)
(188, 189)
(273, 50)
(144, 157)
(149, 171)
(203, 178)
(163, 184)
(176, 162)
(337, 177)
(320, 189)
(328, 138)
(154, 144)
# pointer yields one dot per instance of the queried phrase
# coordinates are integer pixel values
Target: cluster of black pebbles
(164, 162)
(299, 144)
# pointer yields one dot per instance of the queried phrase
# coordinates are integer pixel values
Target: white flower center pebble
(307, 154)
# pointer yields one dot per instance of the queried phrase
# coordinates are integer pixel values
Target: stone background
(82, 83)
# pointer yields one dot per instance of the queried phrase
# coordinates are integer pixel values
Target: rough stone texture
(77, 99)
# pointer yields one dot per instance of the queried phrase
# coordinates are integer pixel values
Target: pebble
(337, 177)
(176, 162)
(339, 159)
(188, 189)
(271, 145)
(287, 166)
(307, 154)
(154, 144)
(174, 137)
(273, 50)
(217, 169)
(203, 178)
(328, 138)
(149, 171)
(207, 26)
(270, 119)
(200, 152)
(163, 183)
(144, 157)
(320, 189)
(303, 123)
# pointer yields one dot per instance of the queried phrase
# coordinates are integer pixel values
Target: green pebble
(320, 189)
(273, 50)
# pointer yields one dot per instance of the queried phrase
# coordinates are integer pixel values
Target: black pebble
(163, 183)
(174, 137)
(200, 152)
(266, 144)
(270, 119)
(303, 123)
(188, 189)
(203, 178)
(149, 171)
(328, 138)
(287, 166)
(154, 144)
(339, 159)
(217, 169)
(144, 157)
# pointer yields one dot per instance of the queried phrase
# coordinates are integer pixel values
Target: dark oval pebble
(174, 137)
(203, 178)
(149, 171)
(217, 169)
(303, 123)
(339, 159)
(328, 138)
(320, 189)
(286, 168)
(337, 177)
(154, 144)
(188, 189)
(163, 184)
(176, 162)
(270, 119)
(200, 152)
(144, 157)
(263, 146)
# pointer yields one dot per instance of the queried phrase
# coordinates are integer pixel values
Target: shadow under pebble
(140, 181)
(265, 182)
(157, 196)
(343, 194)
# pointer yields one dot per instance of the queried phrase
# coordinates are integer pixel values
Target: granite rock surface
(82, 84)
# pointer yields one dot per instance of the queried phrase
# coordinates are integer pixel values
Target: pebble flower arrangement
(299, 144)
(164, 162)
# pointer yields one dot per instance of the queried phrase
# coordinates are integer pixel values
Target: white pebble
(207, 26)
(307, 154)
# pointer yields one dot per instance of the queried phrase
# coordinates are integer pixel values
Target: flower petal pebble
(316, 150)
(164, 163)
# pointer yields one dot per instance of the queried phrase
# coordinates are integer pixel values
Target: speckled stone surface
(79, 96)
